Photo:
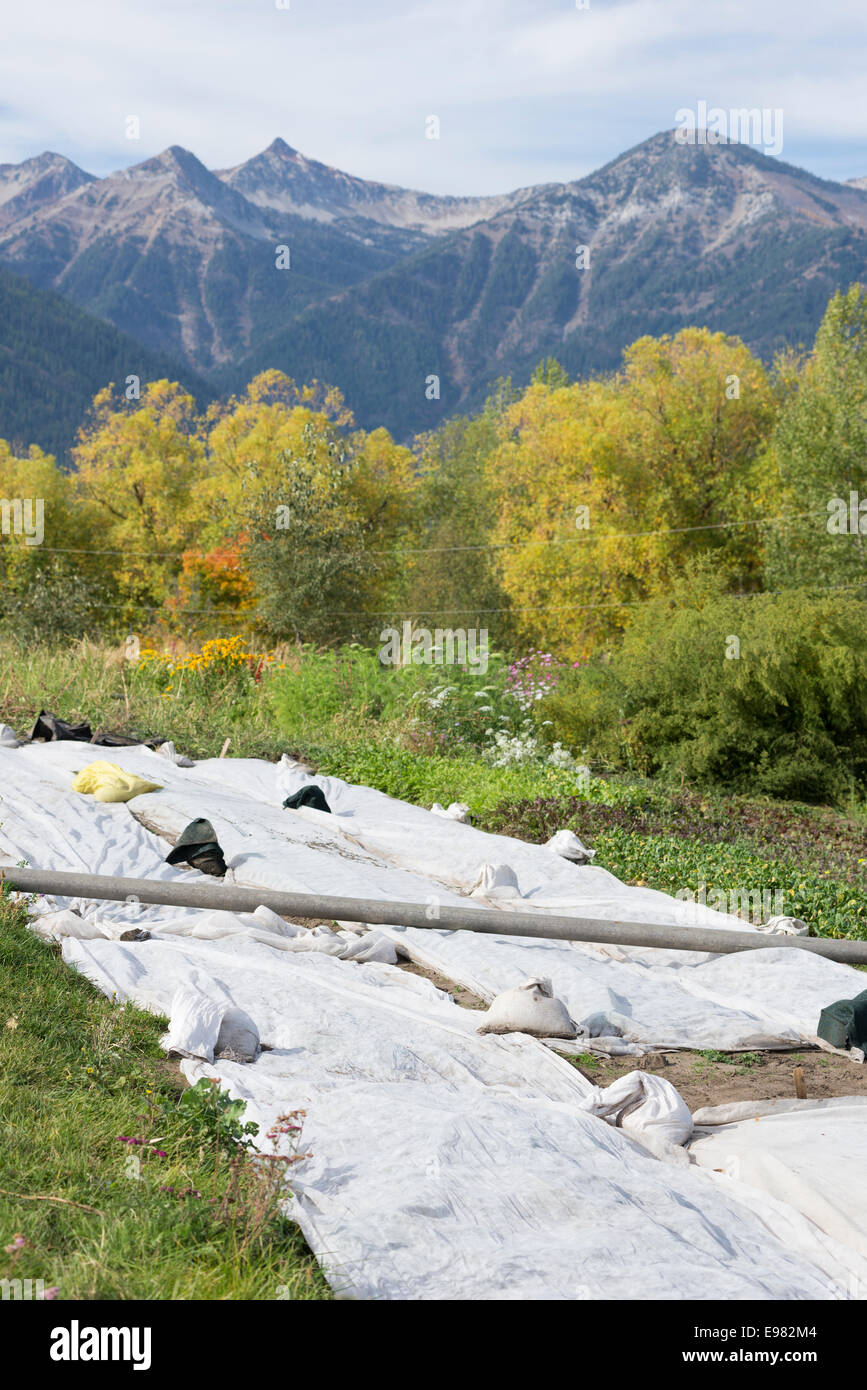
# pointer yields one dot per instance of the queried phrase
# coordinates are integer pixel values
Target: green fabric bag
(844, 1024)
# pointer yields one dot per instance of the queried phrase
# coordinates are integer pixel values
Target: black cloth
(308, 796)
(52, 729)
(198, 846)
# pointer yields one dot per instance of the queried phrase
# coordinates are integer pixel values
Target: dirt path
(715, 1078)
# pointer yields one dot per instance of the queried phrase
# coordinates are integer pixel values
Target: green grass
(76, 1072)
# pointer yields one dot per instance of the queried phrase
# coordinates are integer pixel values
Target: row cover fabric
(809, 1152)
(628, 999)
(415, 1120)
(446, 1165)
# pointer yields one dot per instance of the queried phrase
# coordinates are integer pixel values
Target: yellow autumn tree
(286, 474)
(604, 487)
(142, 470)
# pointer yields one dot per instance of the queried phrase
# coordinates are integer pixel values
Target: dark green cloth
(308, 796)
(198, 846)
(844, 1024)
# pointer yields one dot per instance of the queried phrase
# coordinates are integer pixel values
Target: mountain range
(212, 275)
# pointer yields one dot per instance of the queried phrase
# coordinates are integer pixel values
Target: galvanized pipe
(231, 898)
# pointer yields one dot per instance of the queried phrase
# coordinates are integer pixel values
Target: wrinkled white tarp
(375, 847)
(445, 1164)
(809, 1153)
(451, 1166)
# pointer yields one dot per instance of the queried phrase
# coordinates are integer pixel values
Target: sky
(526, 91)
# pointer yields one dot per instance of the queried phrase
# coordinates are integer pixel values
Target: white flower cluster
(519, 749)
(509, 751)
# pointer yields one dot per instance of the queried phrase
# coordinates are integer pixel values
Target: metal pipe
(230, 898)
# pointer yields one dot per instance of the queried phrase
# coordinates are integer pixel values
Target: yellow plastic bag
(108, 782)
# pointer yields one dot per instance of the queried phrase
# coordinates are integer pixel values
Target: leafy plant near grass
(679, 841)
(120, 1187)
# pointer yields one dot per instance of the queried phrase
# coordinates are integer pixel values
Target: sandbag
(785, 926)
(644, 1104)
(364, 949)
(457, 810)
(532, 1009)
(202, 1027)
(107, 782)
(167, 750)
(8, 737)
(497, 878)
(238, 1038)
(568, 846)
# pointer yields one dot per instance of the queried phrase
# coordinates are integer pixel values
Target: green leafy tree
(324, 528)
(818, 457)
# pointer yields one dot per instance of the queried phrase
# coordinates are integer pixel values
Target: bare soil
(718, 1078)
(461, 996)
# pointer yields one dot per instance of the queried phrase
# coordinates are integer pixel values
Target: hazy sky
(527, 91)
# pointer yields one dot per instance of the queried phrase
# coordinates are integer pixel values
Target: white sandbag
(54, 926)
(9, 738)
(785, 926)
(270, 920)
(204, 1026)
(238, 1038)
(568, 846)
(457, 810)
(499, 879)
(364, 949)
(167, 750)
(531, 1008)
(194, 1024)
(645, 1105)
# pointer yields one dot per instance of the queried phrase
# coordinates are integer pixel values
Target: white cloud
(527, 90)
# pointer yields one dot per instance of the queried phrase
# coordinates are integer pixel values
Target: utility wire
(498, 545)
(447, 612)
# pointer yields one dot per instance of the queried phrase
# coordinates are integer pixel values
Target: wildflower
(18, 1243)
(49, 1294)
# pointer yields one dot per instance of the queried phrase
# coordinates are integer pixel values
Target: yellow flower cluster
(220, 656)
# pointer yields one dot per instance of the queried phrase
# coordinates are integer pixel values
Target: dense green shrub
(765, 694)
